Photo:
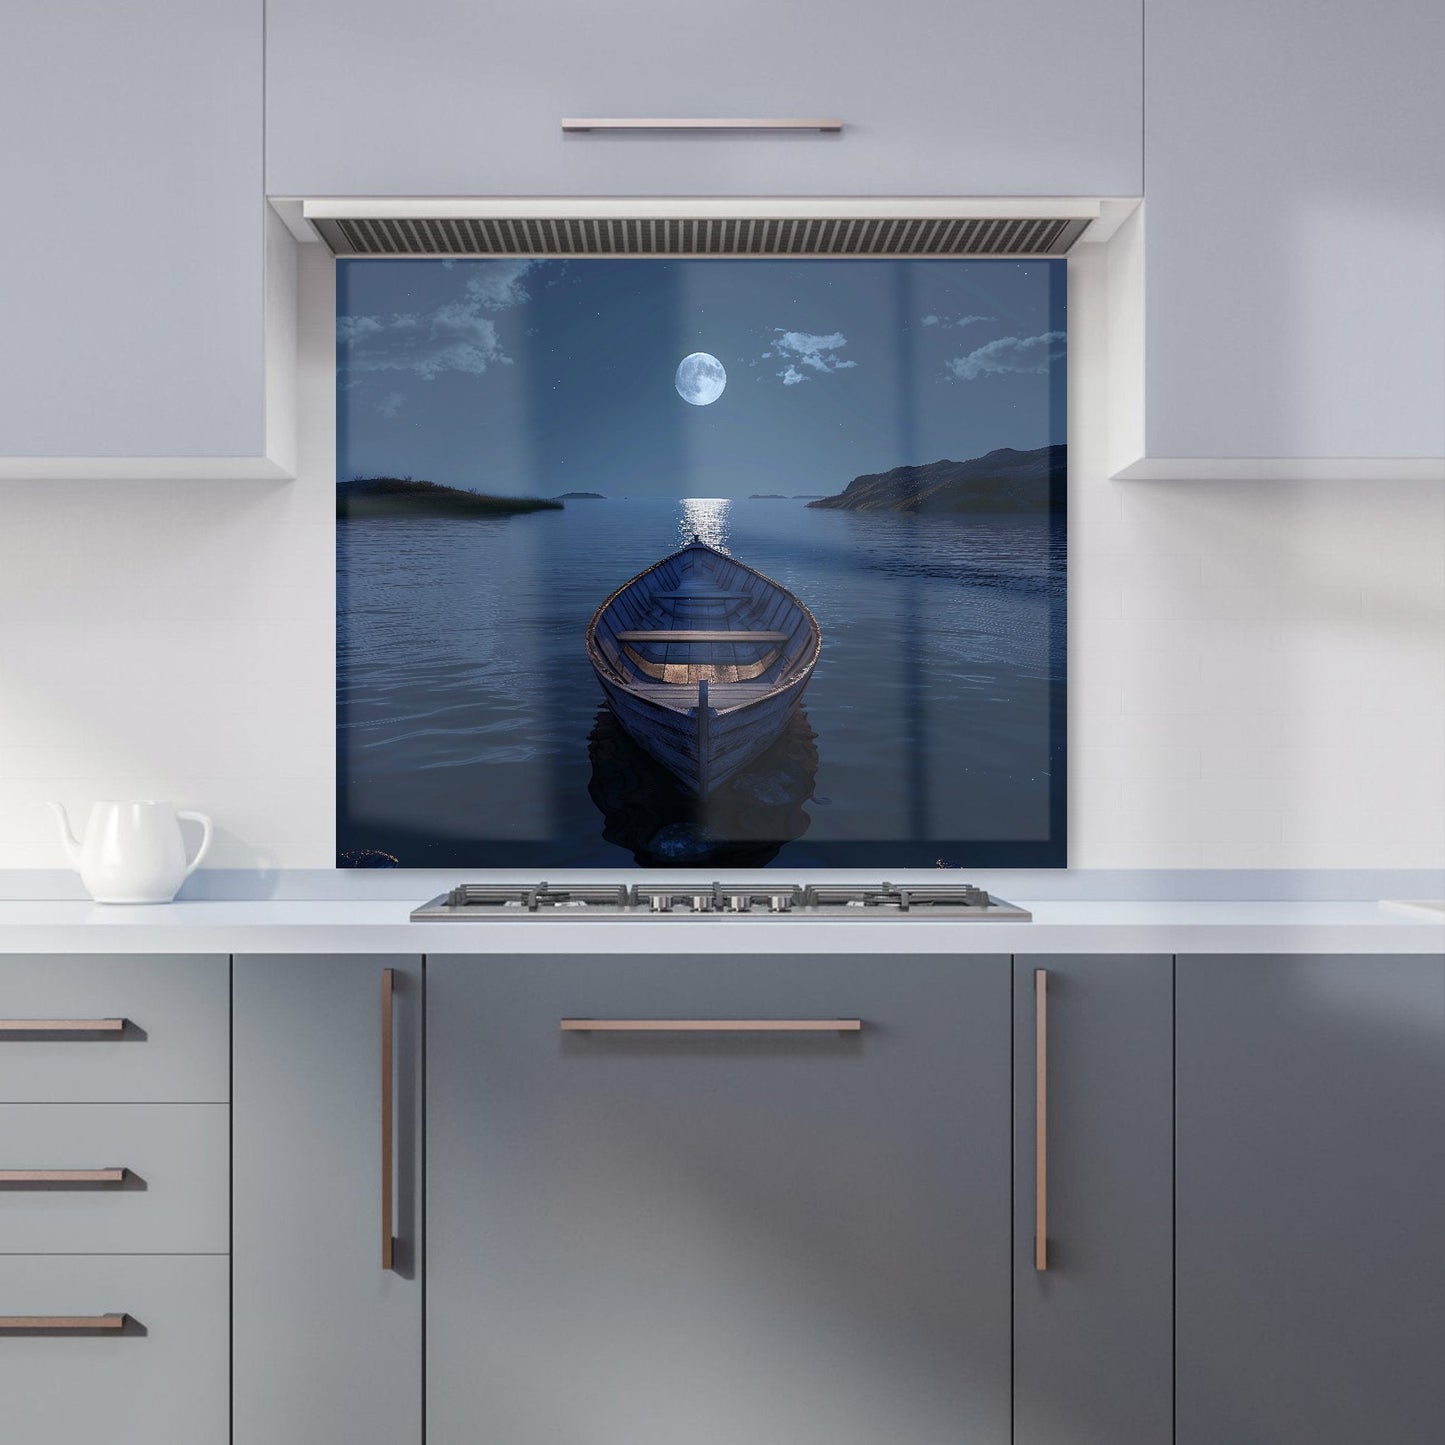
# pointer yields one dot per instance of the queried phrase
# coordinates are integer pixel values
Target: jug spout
(68, 840)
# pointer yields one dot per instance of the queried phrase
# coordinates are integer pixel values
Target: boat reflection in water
(744, 823)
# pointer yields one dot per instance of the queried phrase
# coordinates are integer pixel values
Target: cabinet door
(1295, 252)
(642, 1238)
(1093, 1356)
(1311, 1188)
(327, 1342)
(939, 97)
(133, 293)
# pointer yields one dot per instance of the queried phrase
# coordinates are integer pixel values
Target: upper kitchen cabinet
(939, 97)
(138, 265)
(1295, 240)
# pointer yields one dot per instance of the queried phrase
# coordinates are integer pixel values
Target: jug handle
(201, 852)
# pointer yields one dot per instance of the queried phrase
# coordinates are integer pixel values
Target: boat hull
(735, 738)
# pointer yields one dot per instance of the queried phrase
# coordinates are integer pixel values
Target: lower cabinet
(1093, 1308)
(114, 1199)
(640, 1233)
(1311, 1193)
(326, 1332)
(818, 1200)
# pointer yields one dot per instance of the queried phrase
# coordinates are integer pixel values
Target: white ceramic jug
(133, 852)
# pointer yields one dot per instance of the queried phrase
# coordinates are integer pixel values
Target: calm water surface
(471, 730)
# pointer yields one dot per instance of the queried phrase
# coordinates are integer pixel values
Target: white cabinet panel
(132, 288)
(447, 97)
(1295, 232)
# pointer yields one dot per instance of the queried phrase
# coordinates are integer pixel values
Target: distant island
(403, 497)
(767, 497)
(580, 497)
(1004, 480)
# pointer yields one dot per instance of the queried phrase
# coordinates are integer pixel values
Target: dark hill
(1004, 480)
(403, 497)
(580, 497)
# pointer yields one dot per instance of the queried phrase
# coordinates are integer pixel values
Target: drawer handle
(388, 1118)
(826, 126)
(63, 1176)
(84, 1028)
(1041, 1119)
(79, 1324)
(711, 1026)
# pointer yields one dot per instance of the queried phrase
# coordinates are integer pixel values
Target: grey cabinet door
(1311, 1190)
(327, 1344)
(1319, 95)
(637, 1239)
(1037, 97)
(149, 113)
(1093, 1356)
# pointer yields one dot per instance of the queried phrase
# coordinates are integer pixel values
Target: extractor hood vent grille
(710, 236)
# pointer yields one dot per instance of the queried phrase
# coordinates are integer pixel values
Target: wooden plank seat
(707, 596)
(690, 636)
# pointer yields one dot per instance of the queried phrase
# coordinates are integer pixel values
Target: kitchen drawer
(174, 1047)
(161, 1378)
(172, 1199)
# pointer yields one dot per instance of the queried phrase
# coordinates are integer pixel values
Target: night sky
(539, 377)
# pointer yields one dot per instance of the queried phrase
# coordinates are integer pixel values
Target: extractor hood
(703, 226)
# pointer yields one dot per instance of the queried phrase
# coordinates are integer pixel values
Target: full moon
(700, 378)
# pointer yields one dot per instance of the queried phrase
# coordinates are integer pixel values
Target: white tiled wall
(1257, 670)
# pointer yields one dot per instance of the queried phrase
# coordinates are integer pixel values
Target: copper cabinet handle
(84, 1323)
(825, 124)
(85, 1027)
(1041, 1118)
(63, 1176)
(388, 1118)
(711, 1026)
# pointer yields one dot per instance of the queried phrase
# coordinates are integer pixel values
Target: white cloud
(391, 403)
(1010, 353)
(932, 320)
(456, 336)
(497, 285)
(792, 376)
(813, 351)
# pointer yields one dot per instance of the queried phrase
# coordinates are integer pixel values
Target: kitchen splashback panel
(701, 563)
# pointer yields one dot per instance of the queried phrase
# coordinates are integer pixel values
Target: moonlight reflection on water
(708, 518)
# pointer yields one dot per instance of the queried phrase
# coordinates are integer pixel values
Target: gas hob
(951, 902)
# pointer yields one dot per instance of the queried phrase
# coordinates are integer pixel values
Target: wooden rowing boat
(703, 661)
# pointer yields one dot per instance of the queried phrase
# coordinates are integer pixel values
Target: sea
(471, 731)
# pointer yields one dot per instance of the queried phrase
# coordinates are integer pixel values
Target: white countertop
(334, 926)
